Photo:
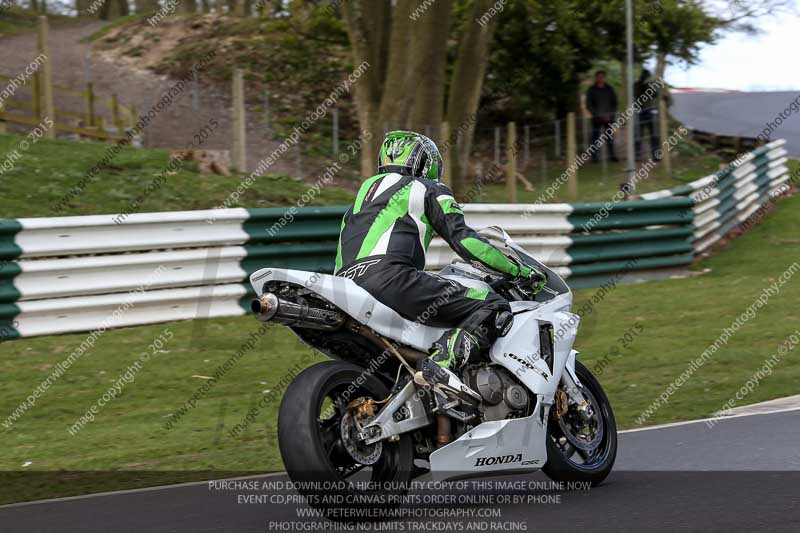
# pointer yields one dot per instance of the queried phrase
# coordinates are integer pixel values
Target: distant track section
(776, 115)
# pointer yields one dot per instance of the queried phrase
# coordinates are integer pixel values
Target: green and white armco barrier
(81, 273)
(728, 198)
(71, 274)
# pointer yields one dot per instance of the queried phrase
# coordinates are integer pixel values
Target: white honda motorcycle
(530, 406)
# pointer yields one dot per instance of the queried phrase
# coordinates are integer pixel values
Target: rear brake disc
(365, 454)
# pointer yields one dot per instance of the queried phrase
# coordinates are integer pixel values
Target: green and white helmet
(411, 152)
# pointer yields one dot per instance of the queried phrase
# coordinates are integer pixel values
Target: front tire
(311, 443)
(578, 450)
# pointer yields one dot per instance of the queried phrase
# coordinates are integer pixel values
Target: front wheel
(582, 438)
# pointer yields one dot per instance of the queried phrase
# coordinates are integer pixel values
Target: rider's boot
(447, 354)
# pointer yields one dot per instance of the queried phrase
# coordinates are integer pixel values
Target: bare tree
(466, 85)
(743, 15)
(430, 48)
(405, 46)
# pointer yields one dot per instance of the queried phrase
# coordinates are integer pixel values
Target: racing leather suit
(382, 245)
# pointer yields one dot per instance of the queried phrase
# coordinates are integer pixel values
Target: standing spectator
(647, 93)
(601, 101)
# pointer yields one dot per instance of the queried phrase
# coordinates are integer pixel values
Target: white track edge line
(718, 419)
(141, 489)
(273, 474)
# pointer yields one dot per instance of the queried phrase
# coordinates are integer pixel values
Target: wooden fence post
(497, 146)
(90, 104)
(134, 118)
(572, 170)
(115, 118)
(2, 122)
(47, 83)
(335, 131)
(527, 143)
(36, 95)
(666, 156)
(266, 112)
(557, 137)
(585, 131)
(511, 163)
(239, 129)
(451, 151)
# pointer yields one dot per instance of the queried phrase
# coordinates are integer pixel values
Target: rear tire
(561, 465)
(312, 449)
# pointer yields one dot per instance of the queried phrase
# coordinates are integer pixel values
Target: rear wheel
(582, 438)
(316, 434)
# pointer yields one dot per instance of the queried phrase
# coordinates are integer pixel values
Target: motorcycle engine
(503, 396)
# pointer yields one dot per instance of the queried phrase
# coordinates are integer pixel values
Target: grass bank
(46, 173)
(56, 167)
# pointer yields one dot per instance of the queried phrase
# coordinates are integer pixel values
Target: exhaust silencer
(270, 308)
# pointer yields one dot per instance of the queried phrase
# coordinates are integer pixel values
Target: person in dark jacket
(601, 101)
(382, 244)
(646, 92)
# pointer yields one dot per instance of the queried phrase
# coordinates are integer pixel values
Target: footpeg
(445, 383)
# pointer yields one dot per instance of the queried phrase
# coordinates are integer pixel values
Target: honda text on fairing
(363, 415)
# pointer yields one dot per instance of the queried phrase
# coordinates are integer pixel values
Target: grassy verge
(668, 323)
(58, 166)
(598, 184)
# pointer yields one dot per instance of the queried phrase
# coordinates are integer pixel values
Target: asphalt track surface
(742, 474)
(742, 114)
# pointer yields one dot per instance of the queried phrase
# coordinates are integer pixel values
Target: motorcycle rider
(382, 244)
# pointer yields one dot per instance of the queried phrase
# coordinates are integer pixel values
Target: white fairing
(356, 302)
(522, 342)
(518, 443)
(504, 445)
